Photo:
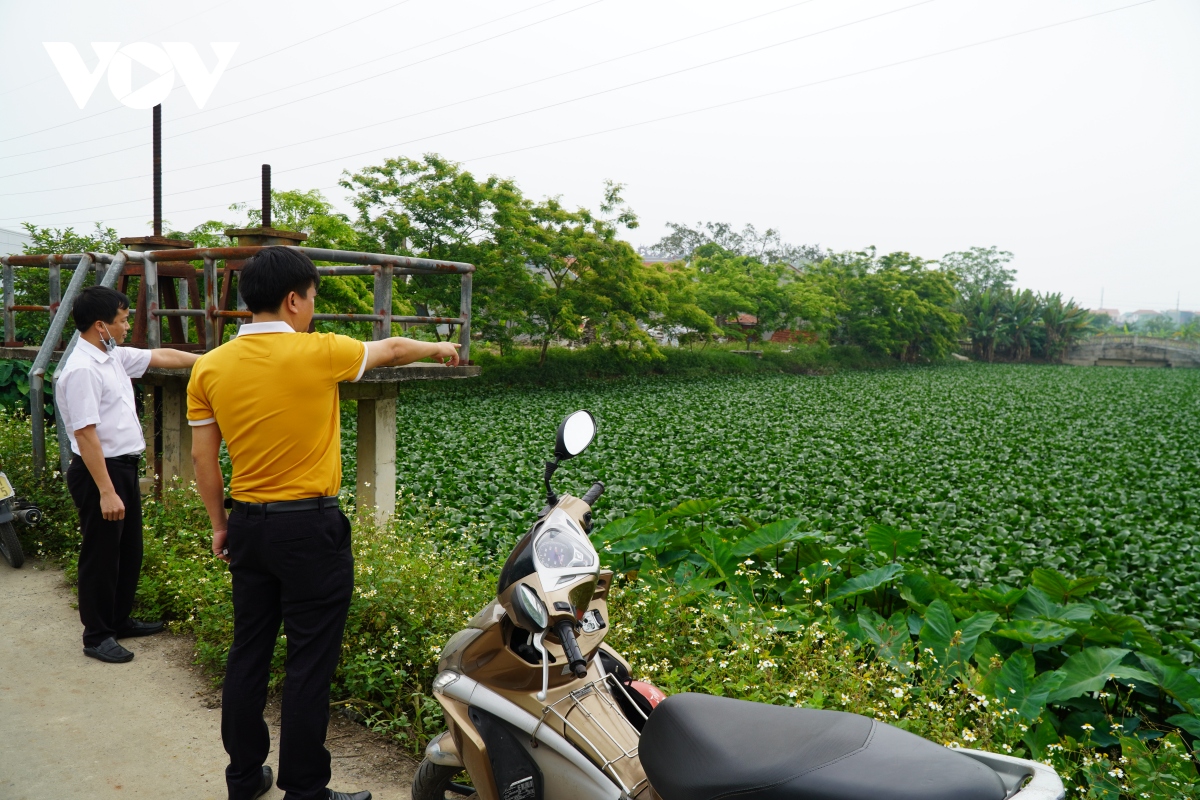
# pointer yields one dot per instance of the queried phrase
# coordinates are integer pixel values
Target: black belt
(283, 506)
(128, 458)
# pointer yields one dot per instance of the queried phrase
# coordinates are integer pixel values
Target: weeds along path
(75, 729)
(1005, 468)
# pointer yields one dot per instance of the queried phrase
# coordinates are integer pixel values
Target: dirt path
(74, 728)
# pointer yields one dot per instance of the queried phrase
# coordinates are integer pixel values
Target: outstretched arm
(398, 351)
(166, 358)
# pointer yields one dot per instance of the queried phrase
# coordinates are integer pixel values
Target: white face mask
(110, 343)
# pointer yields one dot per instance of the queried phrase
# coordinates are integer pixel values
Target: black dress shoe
(109, 651)
(135, 627)
(267, 780)
(343, 796)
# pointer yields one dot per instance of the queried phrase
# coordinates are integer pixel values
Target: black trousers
(298, 568)
(110, 559)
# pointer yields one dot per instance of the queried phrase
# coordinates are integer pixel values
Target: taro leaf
(719, 554)
(650, 541)
(1175, 682)
(1088, 671)
(917, 590)
(615, 531)
(1040, 738)
(669, 557)
(868, 581)
(1020, 689)
(684, 573)
(702, 586)
(694, 508)
(890, 637)
(808, 550)
(1035, 603)
(953, 642)
(891, 542)
(1189, 722)
(1002, 599)
(1034, 631)
(1060, 588)
(6, 370)
(768, 538)
(1131, 631)
(1075, 612)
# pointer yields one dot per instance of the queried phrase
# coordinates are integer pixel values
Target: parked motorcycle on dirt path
(13, 507)
(538, 707)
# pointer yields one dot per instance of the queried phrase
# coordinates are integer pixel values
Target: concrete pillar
(176, 434)
(377, 457)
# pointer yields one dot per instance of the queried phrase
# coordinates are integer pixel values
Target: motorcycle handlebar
(566, 632)
(593, 494)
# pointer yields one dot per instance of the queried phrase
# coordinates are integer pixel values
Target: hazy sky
(1074, 146)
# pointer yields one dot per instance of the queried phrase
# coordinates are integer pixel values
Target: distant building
(13, 242)
(1180, 317)
(1112, 313)
(1141, 315)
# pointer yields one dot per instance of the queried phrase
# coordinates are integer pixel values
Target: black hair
(97, 303)
(270, 274)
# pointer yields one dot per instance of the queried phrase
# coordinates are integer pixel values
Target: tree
(1019, 312)
(1064, 323)
(310, 213)
(432, 208)
(979, 269)
(768, 247)
(893, 305)
(729, 284)
(31, 285)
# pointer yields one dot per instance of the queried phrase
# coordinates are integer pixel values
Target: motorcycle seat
(699, 747)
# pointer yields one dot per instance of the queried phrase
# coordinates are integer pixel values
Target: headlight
(558, 548)
(531, 611)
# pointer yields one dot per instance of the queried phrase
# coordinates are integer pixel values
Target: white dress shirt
(94, 388)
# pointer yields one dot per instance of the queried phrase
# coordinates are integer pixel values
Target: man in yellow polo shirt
(271, 394)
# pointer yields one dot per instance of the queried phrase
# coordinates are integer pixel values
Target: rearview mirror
(574, 435)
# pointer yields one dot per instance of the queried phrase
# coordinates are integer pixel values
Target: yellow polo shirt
(274, 395)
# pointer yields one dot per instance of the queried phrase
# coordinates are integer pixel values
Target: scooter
(538, 707)
(13, 507)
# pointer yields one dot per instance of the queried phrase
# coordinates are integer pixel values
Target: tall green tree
(433, 208)
(1064, 322)
(31, 285)
(893, 305)
(978, 269)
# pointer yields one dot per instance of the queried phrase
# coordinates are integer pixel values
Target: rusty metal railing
(109, 268)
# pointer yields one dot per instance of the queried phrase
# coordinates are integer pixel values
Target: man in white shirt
(95, 396)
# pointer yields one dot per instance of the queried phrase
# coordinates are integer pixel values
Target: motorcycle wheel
(436, 782)
(10, 546)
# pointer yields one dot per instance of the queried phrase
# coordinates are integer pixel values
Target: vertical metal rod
(158, 170)
(464, 311)
(10, 319)
(185, 297)
(210, 303)
(266, 195)
(153, 321)
(55, 288)
(383, 302)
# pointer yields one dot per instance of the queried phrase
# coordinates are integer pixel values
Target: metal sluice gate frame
(109, 268)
